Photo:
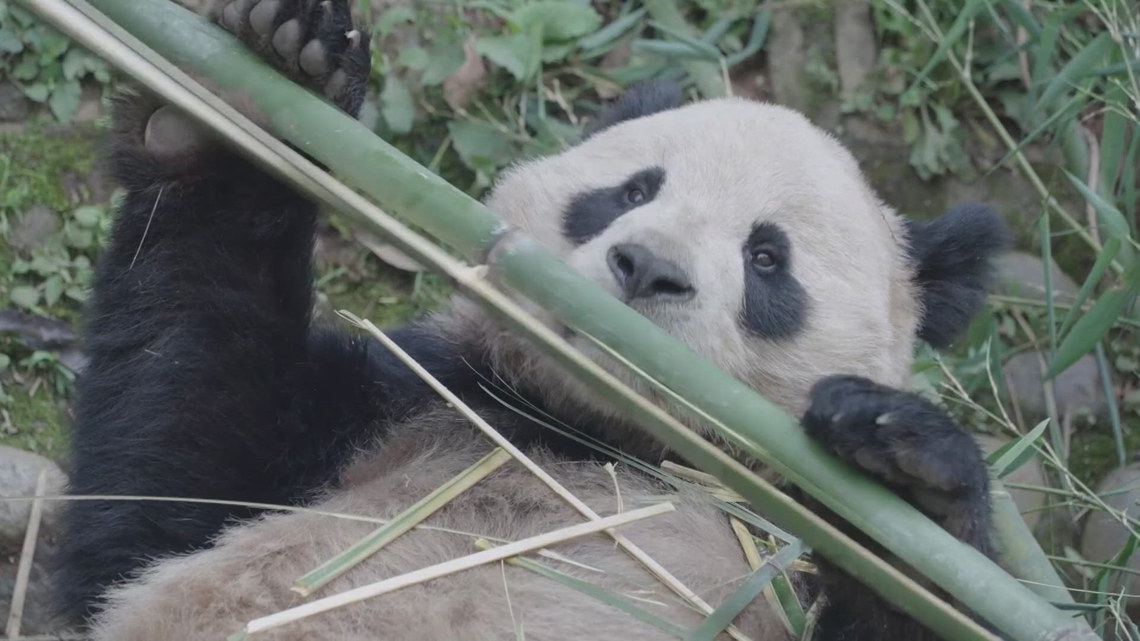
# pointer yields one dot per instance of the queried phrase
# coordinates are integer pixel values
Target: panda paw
(909, 444)
(311, 41)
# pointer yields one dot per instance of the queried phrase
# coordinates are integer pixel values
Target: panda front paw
(312, 41)
(909, 444)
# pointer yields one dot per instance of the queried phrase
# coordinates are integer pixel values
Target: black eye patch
(592, 211)
(775, 304)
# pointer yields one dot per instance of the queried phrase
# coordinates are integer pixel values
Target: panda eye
(634, 196)
(763, 261)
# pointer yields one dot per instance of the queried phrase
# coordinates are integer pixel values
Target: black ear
(953, 257)
(644, 98)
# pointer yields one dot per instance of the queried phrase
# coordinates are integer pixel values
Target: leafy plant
(48, 67)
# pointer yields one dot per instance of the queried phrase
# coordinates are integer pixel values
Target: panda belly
(211, 594)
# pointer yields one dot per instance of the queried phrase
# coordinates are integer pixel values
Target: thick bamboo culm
(749, 421)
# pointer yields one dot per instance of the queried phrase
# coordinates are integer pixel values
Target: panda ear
(953, 260)
(644, 98)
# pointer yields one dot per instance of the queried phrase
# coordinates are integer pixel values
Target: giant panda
(739, 227)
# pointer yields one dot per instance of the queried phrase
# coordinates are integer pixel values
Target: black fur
(953, 266)
(641, 99)
(916, 449)
(591, 212)
(775, 304)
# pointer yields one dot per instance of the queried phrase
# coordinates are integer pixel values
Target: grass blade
(1076, 69)
(1111, 248)
(1096, 322)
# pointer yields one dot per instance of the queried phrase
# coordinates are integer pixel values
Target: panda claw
(314, 61)
(354, 38)
(261, 17)
(287, 39)
(336, 84)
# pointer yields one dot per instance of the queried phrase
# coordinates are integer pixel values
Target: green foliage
(44, 64)
(470, 88)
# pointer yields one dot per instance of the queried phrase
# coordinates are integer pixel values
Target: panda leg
(916, 449)
(203, 378)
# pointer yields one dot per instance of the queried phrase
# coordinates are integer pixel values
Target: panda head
(751, 236)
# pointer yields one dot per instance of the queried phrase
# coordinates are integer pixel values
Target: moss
(1093, 451)
(382, 294)
(33, 416)
(39, 156)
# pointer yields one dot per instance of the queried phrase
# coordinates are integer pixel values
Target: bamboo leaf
(951, 38)
(1112, 222)
(1019, 14)
(1075, 69)
(612, 31)
(1096, 322)
(1103, 261)
(1011, 456)
(735, 603)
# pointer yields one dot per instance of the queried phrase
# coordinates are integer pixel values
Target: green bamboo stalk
(753, 423)
(1019, 550)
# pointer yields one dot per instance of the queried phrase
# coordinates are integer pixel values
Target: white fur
(729, 165)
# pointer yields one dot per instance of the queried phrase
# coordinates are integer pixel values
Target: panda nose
(642, 274)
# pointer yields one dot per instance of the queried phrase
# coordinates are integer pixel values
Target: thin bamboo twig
(773, 437)
(27, 555)
(451, 567)
(651, 564)
(415, 514)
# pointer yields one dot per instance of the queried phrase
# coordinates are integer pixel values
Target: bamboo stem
(752, 423)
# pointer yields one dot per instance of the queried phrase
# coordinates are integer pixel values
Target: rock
(34, 227)
(90, 104)
(19, 471)
(855, 49)
(1028, 502)
(1079, 391)
(1022, 274)
(786, 59)
(14, 107)
(1104, 536)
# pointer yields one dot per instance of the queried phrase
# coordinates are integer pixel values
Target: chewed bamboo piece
(406, 520)
(447, 568)
(24, 569)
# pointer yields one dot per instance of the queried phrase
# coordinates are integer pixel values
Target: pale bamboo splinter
(453, 566)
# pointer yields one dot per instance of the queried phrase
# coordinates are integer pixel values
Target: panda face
(741, 229)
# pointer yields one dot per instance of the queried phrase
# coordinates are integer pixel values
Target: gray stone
(34, 227)
(855, 49)
(1104, 536)
(90, 104)
(1028, 502)
(1079, 391)
(19, 471)
(786, 59)
(1022, 274)
(14, 107)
